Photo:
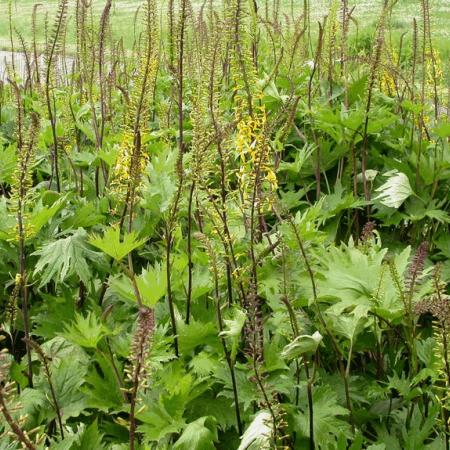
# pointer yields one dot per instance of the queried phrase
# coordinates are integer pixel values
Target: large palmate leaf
(417, 210)
(166, 414)
(113, 246)
(351, 278)
(221, 408)
(198, 435)
(196, 333)
(90, 437)
(34, 222)
(53, 315)
(65, 257)
(67, 374)
(395, 191)
(152, 284)
(301, 157)
(68, 377)
(442, 129)
(349, 325)
(85, 437)
(157, 422)
(302, 344)
(159, 187)
(258, 435)
(328, 418)
(85, 331)
(42, 214)
(85, 215)
(103, 389)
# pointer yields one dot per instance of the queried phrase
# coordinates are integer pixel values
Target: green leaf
(91, 438)
(233, 328)
(83, 159)
(302, 155)
(103, 390)
(8, 162)
(87, 129)
(301, 345)
(41, 215)
(351, 278)
(327, 422)
(85, 215)
(198, 435)
(349, 325)
(195, 334)
(160, 186)
(152, 284)
(84, 438)
(54, 313)
(66, 257)
(357, 89)
(258, 435)
(221, 408)
(439, 215)
(7, 223)
(109, 155)
(203, 364)
(442, 130)
(67, 379)
(157, 422)
(122, 287)
(111, 244)
(416, 108)
(65, 444)
(85, 331)
(58, 349)
(395, 191)
(31, 400)
(273, 359)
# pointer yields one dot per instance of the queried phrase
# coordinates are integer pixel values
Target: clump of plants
(233, 234)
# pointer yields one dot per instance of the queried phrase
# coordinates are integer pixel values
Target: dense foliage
(233, 235)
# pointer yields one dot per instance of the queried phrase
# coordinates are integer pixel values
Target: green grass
(122, 18)
(366, 12)
(123, 11)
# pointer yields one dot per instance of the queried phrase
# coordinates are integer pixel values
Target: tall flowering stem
(140, 350)
(23, 181)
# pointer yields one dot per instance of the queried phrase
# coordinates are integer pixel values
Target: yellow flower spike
(18, 279)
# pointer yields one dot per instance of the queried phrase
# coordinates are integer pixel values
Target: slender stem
(173, 321)
(189, 253)
(133, 396)
(52, 117)
(310, 405)
(227, 355)
(24, 295)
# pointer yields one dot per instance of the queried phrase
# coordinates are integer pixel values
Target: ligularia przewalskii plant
(224, 226)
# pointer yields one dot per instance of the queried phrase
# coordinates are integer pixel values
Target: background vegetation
(122, 17)
(225, 226)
